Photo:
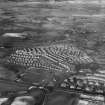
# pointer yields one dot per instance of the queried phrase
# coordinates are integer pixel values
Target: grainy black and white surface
(58, 43)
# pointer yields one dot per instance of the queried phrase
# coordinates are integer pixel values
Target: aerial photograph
(52, 52)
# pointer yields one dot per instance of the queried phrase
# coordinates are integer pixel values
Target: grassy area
(83, 23)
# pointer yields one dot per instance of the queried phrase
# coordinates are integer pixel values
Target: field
(83, 23)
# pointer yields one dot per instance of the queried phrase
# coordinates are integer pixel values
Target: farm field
(78, 21)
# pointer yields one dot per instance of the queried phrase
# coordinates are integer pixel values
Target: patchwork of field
(83, 23)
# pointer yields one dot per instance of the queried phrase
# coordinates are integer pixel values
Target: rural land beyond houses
(82, 22)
